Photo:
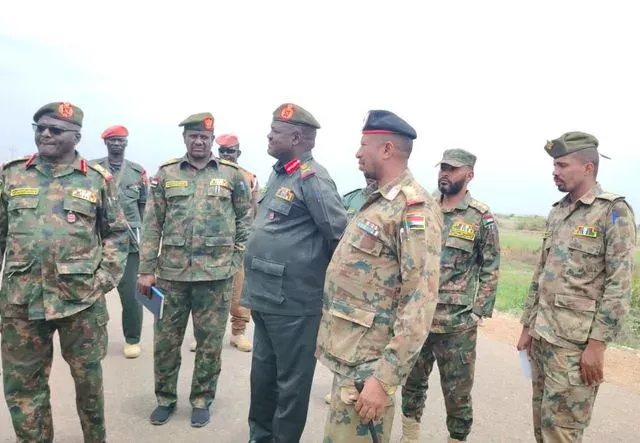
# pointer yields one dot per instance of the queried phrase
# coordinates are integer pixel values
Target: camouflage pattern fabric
(456, 356)
(381, 286)
(209, 304)
(343, 423)
(201, 217)
(581, 286)
(27, 354)
(562, 404)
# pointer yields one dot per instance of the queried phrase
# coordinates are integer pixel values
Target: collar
(78, 162)
(293, 165)
(462, 205)
(184, 160)
(587, 199)
(391, 190)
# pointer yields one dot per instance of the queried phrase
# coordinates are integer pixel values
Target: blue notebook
(155, 304)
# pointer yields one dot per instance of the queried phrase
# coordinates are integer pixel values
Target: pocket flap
(267, 267)
(352, 314)
(17, 266)
(575, 303)
(23, 203)
(78, 205)
(591, 246)
(173, 240)
(459, 243)
(76, 267)
(218, 191)
(281, 206)
(178, 191)
(219, 241)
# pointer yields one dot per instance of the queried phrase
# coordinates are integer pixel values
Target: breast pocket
(367, 243)
(178, 200)
(79, 211)
(585, 260)
(458, 253)
(23, 214)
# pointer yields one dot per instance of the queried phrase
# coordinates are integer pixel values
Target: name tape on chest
(85, 194)
(463, 230)
(586, 231)
(369, 227)
(176, 184)
(285, 194)
(415, 222)
(220, 182)
(17, 192)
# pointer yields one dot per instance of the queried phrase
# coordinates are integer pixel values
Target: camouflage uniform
(579, 291)
(131, 181)
(65, 242)
(469, 266)
(380, 296)
(201, 218)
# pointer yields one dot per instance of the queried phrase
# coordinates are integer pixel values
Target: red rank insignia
(65, 110)
(287, 112)
(71, 217)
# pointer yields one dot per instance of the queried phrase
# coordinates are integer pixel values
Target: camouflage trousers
(456, 356)
(208, 303)
(27, 354)
(240, 315)
(562, 404)
(344, 425)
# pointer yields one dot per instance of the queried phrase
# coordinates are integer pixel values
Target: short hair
(404, 144)
(590, 155)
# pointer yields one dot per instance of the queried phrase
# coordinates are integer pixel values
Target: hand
(524, 343)
(145, 281)
(372, 401)
(592, 363)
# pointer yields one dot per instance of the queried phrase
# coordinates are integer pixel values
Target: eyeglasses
(54, 130)
(227, 150)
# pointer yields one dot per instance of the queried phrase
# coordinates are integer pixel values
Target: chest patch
(17, 192)
(586, 231)
(85, 194)
(176, 184)
(220, 182)
(285, 194)
(369, 227)
(462, 230)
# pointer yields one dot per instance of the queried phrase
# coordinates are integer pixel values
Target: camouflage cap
(199, 122)
(569, 143)
(457, 158)
(64, 111)
(295, 115)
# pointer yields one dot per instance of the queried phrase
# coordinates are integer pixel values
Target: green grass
(530, 241)
(513, 287)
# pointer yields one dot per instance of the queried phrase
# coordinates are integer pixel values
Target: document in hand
(525, 364)
(155, 303)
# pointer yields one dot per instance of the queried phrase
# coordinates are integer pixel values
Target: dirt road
(501, 396)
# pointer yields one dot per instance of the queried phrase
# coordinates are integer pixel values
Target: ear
(77, 137)
(239, 153)
(388, 149)
(588, 168)
(470, 175)
(295, 138)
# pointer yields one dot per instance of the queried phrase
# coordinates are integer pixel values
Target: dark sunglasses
(54, 130)
(227, 150)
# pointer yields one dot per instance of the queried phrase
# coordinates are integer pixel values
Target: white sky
(498, 78)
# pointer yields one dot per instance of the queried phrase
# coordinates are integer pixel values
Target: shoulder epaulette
(228, 163)
(173, 161)
(609, 196)
(136, 166)
(14, 161)
(413, 197)
(306, 171)
(102, 171)
(480, 206)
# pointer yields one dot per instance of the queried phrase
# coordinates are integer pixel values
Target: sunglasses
(227, 150)
(53, 130)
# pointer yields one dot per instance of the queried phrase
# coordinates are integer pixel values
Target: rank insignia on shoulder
(102, 171)
(306, 171)
(415, 222)
(586, 231)
(85, 194)
(463, 230)
(176, 184)
(285, 194)
(369, 227)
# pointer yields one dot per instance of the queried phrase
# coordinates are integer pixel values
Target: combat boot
(131, 350)
(193, 347)
(327, 398)
(410, 430)
(241, 343)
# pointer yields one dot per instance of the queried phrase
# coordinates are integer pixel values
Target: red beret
(227, 140)
(115, 131)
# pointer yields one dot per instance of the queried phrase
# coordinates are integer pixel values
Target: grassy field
(520, 245)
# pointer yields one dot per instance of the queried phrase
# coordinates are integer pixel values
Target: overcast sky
(497, 78)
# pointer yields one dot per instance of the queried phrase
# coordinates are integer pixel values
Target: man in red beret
(131, 181)
(229, 149)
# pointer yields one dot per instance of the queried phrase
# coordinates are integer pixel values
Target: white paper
(525, 364)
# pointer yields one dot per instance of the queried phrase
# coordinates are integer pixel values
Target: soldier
(299, 221)
(354, 200)
(65, 241)
(229, 150)
(130, 179)
(579, 293)
(469, 265)
(198, 207)
(381, 286)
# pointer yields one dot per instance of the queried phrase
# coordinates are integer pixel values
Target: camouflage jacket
(201, 218)
(469, 266)
(382, 285)
(131, 181)
(64, 236)
(581, 286)
(299, 222)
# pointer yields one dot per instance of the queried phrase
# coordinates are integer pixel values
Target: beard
(447, 187)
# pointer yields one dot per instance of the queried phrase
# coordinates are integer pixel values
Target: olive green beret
(64, 111)
(569, 143)
(199, 122)
(296, 115)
